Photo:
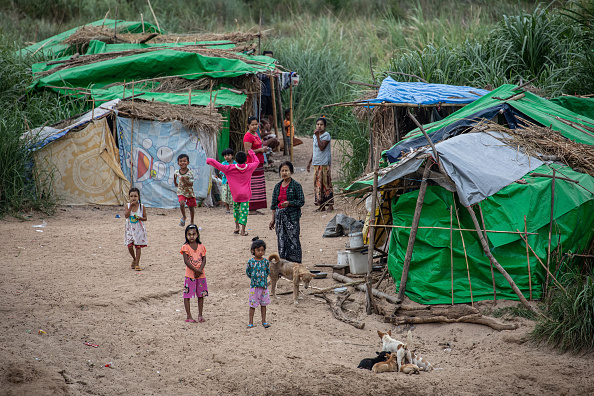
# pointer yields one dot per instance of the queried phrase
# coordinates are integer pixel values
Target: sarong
(324, 193)
(287, 235)
(258, 200)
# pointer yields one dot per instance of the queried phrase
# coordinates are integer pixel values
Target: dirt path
(73, 281)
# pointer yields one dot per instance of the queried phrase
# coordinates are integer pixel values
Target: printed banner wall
(155, 147)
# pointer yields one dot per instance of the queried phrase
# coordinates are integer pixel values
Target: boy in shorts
(183, 179)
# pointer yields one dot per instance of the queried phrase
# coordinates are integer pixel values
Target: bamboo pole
(154, 16)
(413, 232)
(550, 229)
(282, 114)
(528, 257)
(142, 22)
(465, 255)
(496, 263)
(542, 264)
(291, 126)
(371, 307)
(452, 251)
(190, 96)
(272, 88)
(492, 273)
(455, 229)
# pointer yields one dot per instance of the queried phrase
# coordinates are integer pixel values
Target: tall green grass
(569, 325)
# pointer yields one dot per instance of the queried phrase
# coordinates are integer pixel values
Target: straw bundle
(203, 119)
(546, 144)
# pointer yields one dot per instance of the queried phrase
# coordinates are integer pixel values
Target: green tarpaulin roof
(582, 106)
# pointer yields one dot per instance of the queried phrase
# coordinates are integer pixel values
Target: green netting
(153, 64)
(582, 106)
(429, 278)
(53, 46)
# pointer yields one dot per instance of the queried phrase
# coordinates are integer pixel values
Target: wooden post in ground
(528, 257)
(496, 263)
(550, 231)
(452, 250)
(492, 272)
(465, 255)
(272, 88)
(413, 232)
(371, 307)
(291, 126)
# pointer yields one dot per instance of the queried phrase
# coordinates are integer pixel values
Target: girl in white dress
(135, 236)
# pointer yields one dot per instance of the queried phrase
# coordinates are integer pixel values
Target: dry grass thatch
(546, 144)
(203, 119)
(246, 84)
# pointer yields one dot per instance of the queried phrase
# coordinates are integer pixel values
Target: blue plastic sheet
(419, 93)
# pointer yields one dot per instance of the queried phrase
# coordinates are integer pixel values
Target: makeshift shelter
(524, 181)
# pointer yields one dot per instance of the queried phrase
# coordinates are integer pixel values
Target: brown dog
(388, 365)
(292, 271)
(409, 369)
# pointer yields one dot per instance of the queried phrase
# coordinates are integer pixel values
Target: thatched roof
(204, 119)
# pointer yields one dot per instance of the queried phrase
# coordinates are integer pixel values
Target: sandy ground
(73, 281)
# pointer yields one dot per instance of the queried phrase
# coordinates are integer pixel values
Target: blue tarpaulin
(419, 93)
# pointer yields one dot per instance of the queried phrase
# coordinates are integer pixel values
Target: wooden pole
(260, 39)
(413, 232)
(550, 230)
(452, 250)
(543, 266)
(272, 88)
(190, 96)
(142, 21)
(465, 255)
(496, 263)
(154, 16)
(528, 257)
(115, 28)
(282, 115)
(371, 307)
(291, 126)
(363, 288)
(131, 142)
(492, 272)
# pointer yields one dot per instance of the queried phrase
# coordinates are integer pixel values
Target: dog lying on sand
(403, 351)
(388, 365)
(292, 271)
(369, 362)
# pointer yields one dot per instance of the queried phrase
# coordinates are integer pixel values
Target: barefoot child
(135, 231)
(239, 177)
(257, 270)
(184, 181)
(226, 195)
(194, 254)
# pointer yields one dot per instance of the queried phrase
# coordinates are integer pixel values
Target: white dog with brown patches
(402, 351)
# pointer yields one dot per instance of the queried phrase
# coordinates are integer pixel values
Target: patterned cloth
(294, 196)
(135, 231)
(240, 212)
(324, 193)
(257, 271)
(195, 257)
(182, 188)
(258, 200)
(287, 236)
(259, 296)
(226, 194)
(195, 288)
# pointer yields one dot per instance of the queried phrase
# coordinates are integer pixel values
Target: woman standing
(287, 200)
(321, 159)
(251, 141)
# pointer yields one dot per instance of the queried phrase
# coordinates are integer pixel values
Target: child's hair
(286, 163)
(257, 243)
(287, 112)
(134, 189)
(227, 151)
(268, 52)
(323, 119)
(240, 157)
(265, 121)
(252, 118)
(183, 156)
(188, 228)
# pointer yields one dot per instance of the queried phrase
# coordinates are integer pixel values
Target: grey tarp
(342, 225)
(480, 165)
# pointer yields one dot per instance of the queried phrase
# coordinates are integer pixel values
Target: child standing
(194, 254)
(226, 195)
(135, 231)
(184, 181)
(257, 270)
(239, 177)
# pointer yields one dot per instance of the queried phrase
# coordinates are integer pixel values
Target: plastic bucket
(343, 258)
(357, 262)
(356, 240)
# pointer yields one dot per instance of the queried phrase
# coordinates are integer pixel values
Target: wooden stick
(492, 273)
(274, 114)
(327, 289)
(291, 126)
(550, 228)
(106, 14)
(528, 257)
(413, 233)
(142, 22)
(556, 177)
(190, 96)
(364, 84)
(375, 292)
(542, 264)
(410, 75)
(452, 250)
(465, 255)
(115, 28)
(336, 308)
(389, 104)
(496, 263)
(154, 16)
(455, 229)
(384, 273)
(371, 307)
